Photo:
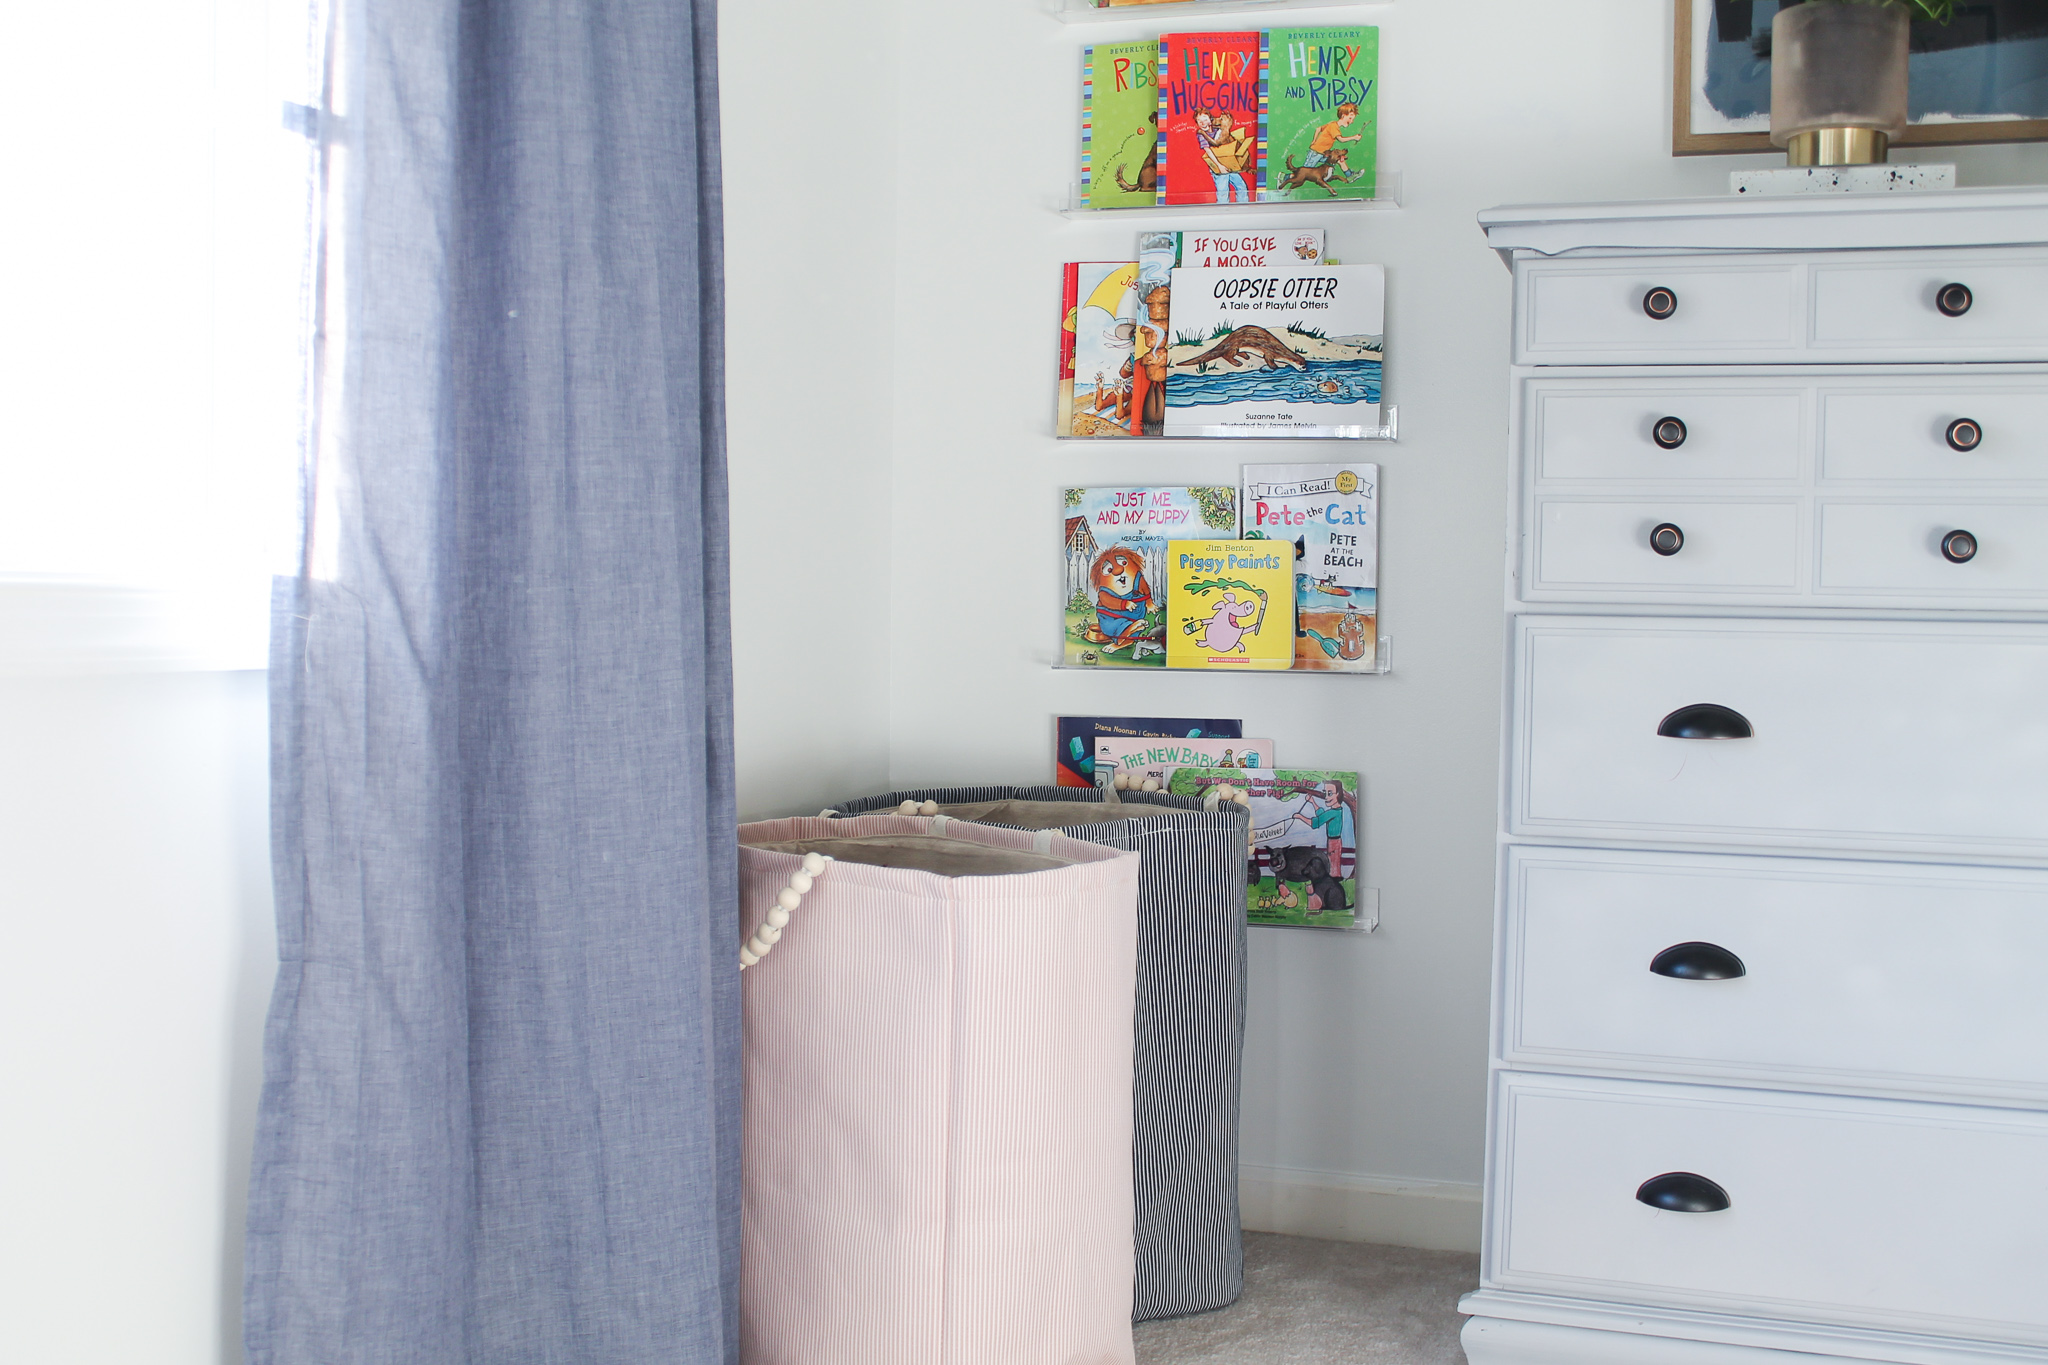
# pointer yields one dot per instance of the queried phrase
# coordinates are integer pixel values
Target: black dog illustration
(1311, 865)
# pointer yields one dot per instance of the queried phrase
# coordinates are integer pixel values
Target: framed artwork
(1981, 78)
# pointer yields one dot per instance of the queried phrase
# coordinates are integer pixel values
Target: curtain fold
(500, 1114)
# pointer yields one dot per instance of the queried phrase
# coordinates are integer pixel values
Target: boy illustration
(1329, 135)
(1227, 150)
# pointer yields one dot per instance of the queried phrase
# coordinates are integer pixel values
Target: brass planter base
(1838, 147)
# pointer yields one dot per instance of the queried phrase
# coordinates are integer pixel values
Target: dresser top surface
(2008, 216)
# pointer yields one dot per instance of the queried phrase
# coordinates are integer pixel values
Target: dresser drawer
(1920, 1217)
(1894, 300)
(1606, 546)
(1594, 311)
(1897, 547)
(1723, 433)
(1957, 430)
(1927, 737)
(1917, 980)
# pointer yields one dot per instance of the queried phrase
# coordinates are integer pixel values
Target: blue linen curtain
(500, 1113)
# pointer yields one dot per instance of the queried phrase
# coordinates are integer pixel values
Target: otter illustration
(1270, 351)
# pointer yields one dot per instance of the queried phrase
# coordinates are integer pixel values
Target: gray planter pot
(1838, 76)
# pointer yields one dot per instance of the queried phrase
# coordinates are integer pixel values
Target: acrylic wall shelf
(1386, 195)
(1390, 430)
(1082, 12)
(1382, 663)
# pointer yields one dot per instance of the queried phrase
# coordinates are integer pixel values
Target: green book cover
(1322, 112)
(1120, 124)
(1302, 864)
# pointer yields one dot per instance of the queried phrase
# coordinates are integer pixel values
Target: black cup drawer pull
(1704, 720)
(1964, 434)
(1666, 539)
(1660, 303)
(1953, 300)
(1959, 547)
(1669, 433)
(1698, 962)
(1683, 1192)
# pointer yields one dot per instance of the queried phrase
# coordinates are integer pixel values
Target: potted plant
(1838, 77)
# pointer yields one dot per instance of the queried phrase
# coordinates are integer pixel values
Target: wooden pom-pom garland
(786, 900)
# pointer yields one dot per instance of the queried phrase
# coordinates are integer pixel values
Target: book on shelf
(1120, 124)
(1074, 760)
(1303, 861)
(1137, 760)
(1098, 332)
(1329, 513)
(1229, 605)
(1251, 250)
(1114, 613)
(1155, 294)
(1208, 117)
(1285, 351)
(1319, 123)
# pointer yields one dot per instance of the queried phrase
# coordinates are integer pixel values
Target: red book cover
(1070, 302)
(1208, 118)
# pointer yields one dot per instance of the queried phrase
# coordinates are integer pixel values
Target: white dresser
(1770, 1020)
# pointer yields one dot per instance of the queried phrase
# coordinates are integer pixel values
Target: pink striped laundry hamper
(938, 1097)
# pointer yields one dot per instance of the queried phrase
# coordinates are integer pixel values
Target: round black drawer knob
(1954, 300)
(1683, 1192)
(1959, 547)
(1666, 539)
(1669, 433)
(1660, 303)
(1964, 434)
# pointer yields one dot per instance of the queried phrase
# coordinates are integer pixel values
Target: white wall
(809, 114)
(138, 956)
(1366, 1055)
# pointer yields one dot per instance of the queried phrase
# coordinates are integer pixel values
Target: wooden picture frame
(1686, 142)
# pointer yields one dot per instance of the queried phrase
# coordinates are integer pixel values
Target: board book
(1287, 351)
(1229, 605)
(1138, 759)
(1120, 124)
(1320, 119)
(1303, 868)
(1208, 118)
(1098, 330)
(1114, 613)
(1330, 513)
(1074, 762)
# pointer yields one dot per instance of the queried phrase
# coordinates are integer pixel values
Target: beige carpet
(1308, 1302)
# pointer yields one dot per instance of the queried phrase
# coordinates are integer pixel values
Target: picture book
(1304, 847)
(1116, 539)
(1208, 117)
(1155, 295)
(1320, 121)
(1120, 124)
(1063, 422)
(1138, 759)
(1097, 336)
(1255, 250)
(1278, 352)
(1074, 762)
(1229, 604)
(1331, 514)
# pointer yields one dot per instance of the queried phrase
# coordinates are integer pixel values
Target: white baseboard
(1438, 1215)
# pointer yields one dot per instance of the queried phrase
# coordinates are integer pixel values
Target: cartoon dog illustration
(1310, 866)
(1122, 597)
(1338, 165)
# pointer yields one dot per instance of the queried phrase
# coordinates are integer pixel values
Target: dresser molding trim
(1614, 1333)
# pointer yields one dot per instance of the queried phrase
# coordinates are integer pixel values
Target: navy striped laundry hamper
(1190, 1017)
